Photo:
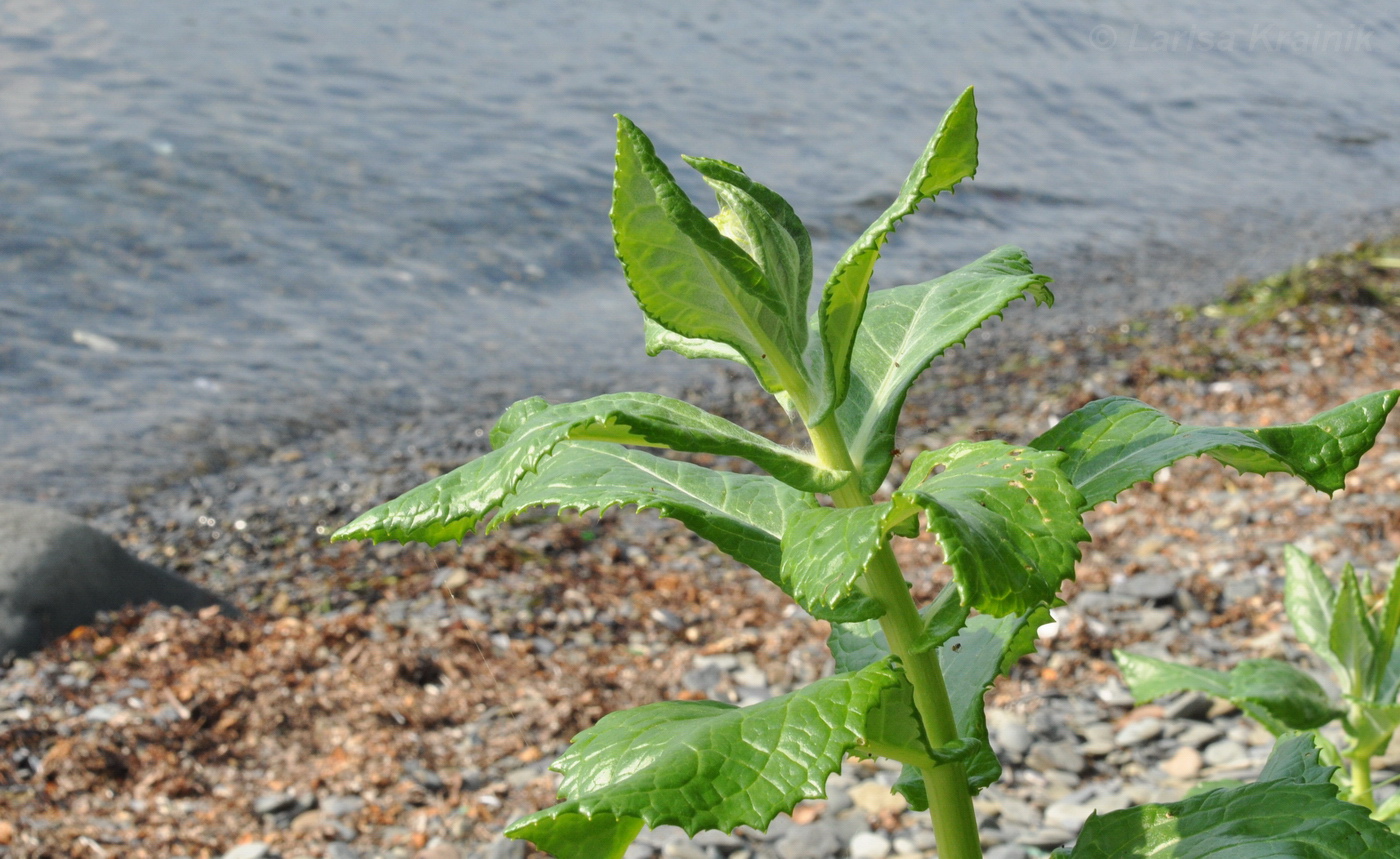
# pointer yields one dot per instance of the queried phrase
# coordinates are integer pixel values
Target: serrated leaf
(1308, 597)
(1278, 695)
(689, 277)
(1115, 442)
(1295, 757)
(742, 514)
(1298, 817)
(518, 413)
(949, 158)
(905, 329)
(1008, 519)
(449, 506)
(1352, 636)
(570, 835)
(825, 553)
(708, 765)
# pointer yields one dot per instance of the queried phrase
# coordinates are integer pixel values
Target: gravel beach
(396, 701)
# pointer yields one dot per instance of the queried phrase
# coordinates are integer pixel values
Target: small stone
(683, 850)
(425, 777)
(869, 845)
(813, 841)
(1198, 736)
(1148, 587)
(1069, 816)
(1185, 764)
(875, 798)
(1224, 753)
(1138, 732)
(1046, 839)
(438, 851)
(272, 803)
(1055, 756)
(343, 806)
(1014, 739)
(1006, 851)
(251, 850)
(1191, 705)
(341, 850)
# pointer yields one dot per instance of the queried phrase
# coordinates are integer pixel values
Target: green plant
(1354, 631)
(910, 681)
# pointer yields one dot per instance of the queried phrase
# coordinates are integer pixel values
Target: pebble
(869, 845)
(1185, 764)
(1191, 705)
(1148, 587)
(1138, 732)
(683, 850)
(813, 841)
(1006, 851)
(1225, 753)
(251, 850)
(438, 851)
(1014, 740)
(341, 850)
(1055, 756)
(873, 797)
(1199, 736)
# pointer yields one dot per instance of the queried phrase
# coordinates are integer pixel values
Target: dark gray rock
(57, 573)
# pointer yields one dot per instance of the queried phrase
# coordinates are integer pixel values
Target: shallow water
(224, 225)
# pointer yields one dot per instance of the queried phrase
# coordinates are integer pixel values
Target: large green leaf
(1115, 442)
(1308, 597)
(705, 764)
(1008, 519)
(692, 279)
(1278, 695)
(449, 506)
(1296, 815)
(949, 158)
(905, 329)
(742, 514)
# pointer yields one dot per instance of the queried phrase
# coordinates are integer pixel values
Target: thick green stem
(1361, 790)
(949, 799)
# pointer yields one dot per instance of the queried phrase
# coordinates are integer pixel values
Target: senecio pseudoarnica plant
(910, 680)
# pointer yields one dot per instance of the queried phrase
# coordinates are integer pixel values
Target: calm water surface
(265, 219)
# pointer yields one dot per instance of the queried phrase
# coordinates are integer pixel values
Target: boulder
(57, 572)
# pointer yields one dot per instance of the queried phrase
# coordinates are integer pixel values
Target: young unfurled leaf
(1295, 815)
(1008, 519)
(1277, 695)
(905, 329)
(694, 281)
(1389, 685)
(742, 514)
(707, 765)
(951, 156)
(1309, 598)
(1353, 637)
(449, 506)
(1116, 442)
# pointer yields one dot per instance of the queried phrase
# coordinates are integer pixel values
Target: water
(227, 224)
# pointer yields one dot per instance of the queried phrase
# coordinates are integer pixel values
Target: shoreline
(433, 686)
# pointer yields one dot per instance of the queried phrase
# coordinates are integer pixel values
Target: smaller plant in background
(1352, 628)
